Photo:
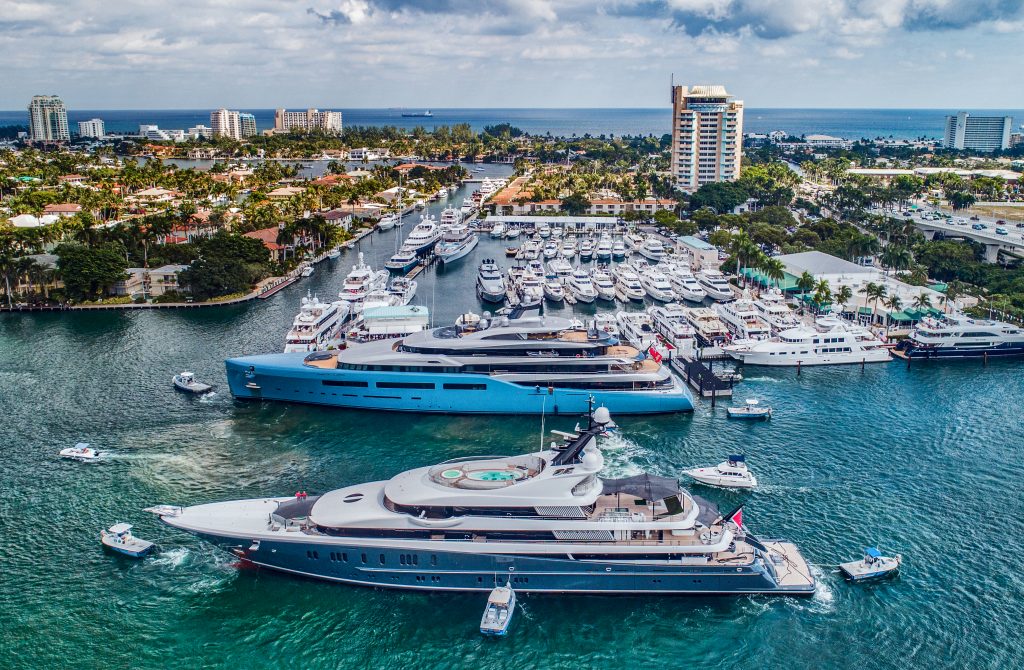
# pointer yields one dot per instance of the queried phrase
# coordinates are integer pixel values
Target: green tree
(88, 272)
(575, 204)
(226, 264)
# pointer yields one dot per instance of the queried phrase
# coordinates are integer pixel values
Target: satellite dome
(602, 415)
(592, 459)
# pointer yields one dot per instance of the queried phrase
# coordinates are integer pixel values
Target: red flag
(654, 354)
(737, 517)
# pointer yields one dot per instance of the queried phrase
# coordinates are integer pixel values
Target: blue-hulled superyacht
(528, 365)
(540, 522)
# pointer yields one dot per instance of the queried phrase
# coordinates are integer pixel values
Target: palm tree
(874, 292)
(922, 301)
(843, 296)
(773, 269)
(743, 249)
(954, 290)
(822, 293)
(893, 304)
(805, 282)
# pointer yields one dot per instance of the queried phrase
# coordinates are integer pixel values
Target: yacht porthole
(511, 568)
(607, 569)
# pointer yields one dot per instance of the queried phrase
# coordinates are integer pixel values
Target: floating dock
(701, 378)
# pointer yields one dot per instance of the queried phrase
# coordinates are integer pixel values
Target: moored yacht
(686, 286)
(317, 326)
(490, 282)
(424, 235)
(456, 242)
(670, 321)
(771, 306)
(830, 342)
(657, 285)
(361, 281)
(387, 222)
(586, 250)
(604, 284)
(604, 249)
(450, 216)
(961, 336)
(404, 260)
(743, 320)
(534, 364)
(581, 286)
(498, 231)
(652, 248)
(715, 285)
(543, 522)
(710, 330)
(627, 284)
(618, 250)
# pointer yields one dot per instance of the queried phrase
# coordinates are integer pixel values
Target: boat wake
(172, 558)
(622, 457)
(770, 380)
(208, 398)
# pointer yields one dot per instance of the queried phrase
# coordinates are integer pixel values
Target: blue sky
(511, 53)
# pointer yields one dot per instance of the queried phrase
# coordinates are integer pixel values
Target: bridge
(1010, 246)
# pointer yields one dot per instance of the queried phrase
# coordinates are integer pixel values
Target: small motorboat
(732, 473)
(80, 452)
(334, 253)
(120, 539)
(186, 381)
(497, 616)
(511, 251)
(308, 271)
(872, 566)
(752, 410)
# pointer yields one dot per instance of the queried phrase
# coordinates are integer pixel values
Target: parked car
(979, 226)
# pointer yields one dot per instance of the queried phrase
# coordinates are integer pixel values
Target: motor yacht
(652, 248)
(450, 217)
(771, 307)
(708, 328)
(604, 284)
(627, 284)
(544, 230)
(960, 336)
(550, 249)
(334, 254)
(637, 328)
(362, 280)
(542, 522)
(731, 473)
(458, 241)
(387, 222)
(634, 241)
(534, 364)
(586, 250)
(530, 290)
(686, 286)
(671, 323)
(581, 286)
(568, 249)
(657, 285)
(498, 231)
(553, 290)
(743, 320)
(513, 233)
(424, 235)
(403, 261)
(715, 285)
(829, 342)
(317, 326)
(387, 321)
(560, 268)
(403, 289)
(618, 250)
(490, 282)
(604, 249)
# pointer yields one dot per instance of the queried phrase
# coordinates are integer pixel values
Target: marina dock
(702, 378)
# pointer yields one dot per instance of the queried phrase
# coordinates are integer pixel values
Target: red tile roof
(268, 236)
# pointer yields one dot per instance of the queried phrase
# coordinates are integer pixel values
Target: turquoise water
(922, 461)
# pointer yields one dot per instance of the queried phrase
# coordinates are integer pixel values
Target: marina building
(309, 120)
(91, 128)
(707, 136)
(978, 133)
(703, 255)
(48, 119)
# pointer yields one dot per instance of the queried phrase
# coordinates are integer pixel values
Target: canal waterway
(922, 461)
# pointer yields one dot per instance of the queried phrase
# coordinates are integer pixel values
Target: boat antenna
(590, 411)
(543, 406)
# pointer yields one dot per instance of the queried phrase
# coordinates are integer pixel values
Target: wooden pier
(702, 378)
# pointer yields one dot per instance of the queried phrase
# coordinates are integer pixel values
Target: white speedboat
(501, 604)
(544, 230)
(186, 381)
(307, 270)
(387, 222)
(553, 290)
(119, 538)
(618, 250)
(732, 473)
(581, 286)
(498, 231)
(334, 254)
(604, 249)
(873, 566)
(513, 233)
(80, 452)
(715, 285)
(586, 250)
(604, 284)
(751, 411)
(550, 249)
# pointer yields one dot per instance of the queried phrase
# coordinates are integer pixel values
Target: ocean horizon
(850, 123)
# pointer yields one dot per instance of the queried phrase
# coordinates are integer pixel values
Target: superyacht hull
(426, 566)
(1005, 350)
(284, 377)
(450, 254)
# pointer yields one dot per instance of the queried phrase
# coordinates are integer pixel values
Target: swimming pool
(494, 475)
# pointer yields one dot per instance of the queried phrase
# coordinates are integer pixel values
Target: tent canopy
(648, 487)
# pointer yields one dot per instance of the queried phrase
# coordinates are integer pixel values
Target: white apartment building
(200, 131)
(707, 132)
(48, 119)
(226, 123)
(311, 119)
(91, 128)
(978, 133)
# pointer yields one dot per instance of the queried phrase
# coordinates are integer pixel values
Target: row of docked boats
(605, 248)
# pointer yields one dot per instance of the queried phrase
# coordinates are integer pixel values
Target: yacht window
(339, 382)
(465, 387)
(404, 385)
(382, 559)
